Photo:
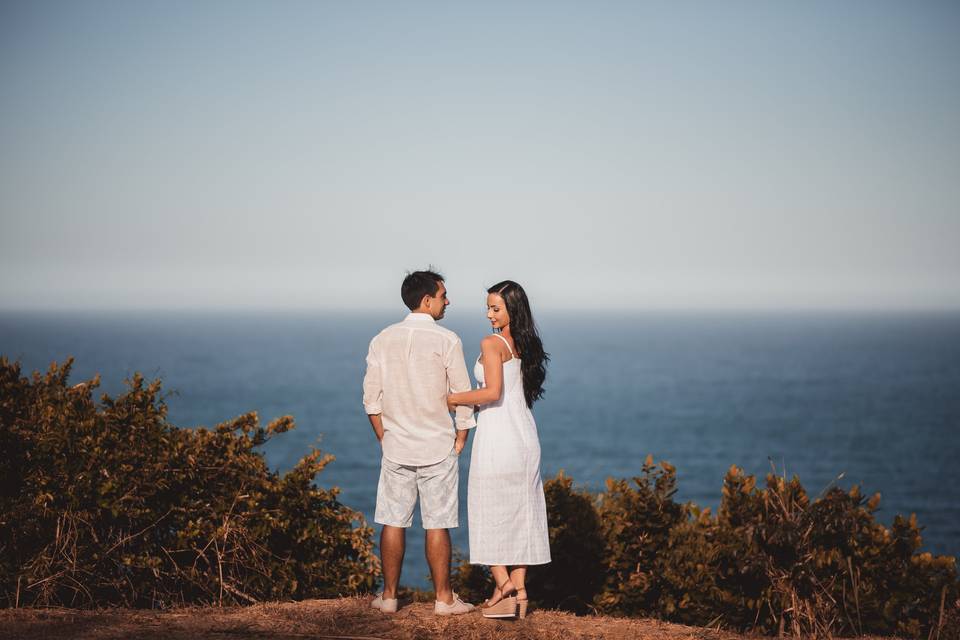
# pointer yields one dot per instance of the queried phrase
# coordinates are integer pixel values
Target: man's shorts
(438, 487)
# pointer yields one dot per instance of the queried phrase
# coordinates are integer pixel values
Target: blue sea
(874, 397)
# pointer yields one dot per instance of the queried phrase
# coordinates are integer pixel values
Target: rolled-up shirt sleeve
(459, 381)
(373, 382)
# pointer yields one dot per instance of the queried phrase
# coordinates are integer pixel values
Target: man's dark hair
(419, 284)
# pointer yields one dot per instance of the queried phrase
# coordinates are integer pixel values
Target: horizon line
(309, 309)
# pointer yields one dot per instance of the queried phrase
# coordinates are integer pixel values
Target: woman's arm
(492, 362)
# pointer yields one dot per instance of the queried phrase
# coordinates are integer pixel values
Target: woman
(507, 513)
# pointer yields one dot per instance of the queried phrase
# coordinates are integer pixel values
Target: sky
(605, 155)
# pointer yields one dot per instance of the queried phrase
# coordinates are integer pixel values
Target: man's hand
(376, 421)
(461, 440)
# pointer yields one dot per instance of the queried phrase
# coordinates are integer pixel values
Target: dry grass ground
(346, 618)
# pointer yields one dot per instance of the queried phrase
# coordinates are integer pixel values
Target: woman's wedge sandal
(505, 607)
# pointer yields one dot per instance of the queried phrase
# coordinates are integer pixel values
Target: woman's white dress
(507, 514)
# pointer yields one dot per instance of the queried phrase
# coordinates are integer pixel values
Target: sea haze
(873, 396)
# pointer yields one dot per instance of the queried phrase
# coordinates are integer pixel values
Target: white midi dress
(507, 513)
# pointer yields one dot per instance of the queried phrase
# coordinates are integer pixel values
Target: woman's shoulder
(493, 342)
(490, 341)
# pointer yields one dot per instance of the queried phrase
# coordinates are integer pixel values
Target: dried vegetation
(109, 505)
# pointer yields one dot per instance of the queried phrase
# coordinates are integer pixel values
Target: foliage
(771, 560)
(827, 566)
(110, 504)
(577, 548)
(636, 523)
(107, 503)
(472, 582)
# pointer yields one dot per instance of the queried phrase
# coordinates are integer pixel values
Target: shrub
(109, 503)
(472, 582)
(772, 560)
(577, 570)
(827, 566)
(635, 524)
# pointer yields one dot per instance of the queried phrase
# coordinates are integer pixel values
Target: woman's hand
(451, 404)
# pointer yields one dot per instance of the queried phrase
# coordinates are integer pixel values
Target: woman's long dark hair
(533, 359)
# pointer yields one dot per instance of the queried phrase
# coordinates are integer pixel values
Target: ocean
(874, 397)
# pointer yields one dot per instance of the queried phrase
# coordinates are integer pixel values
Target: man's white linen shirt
(411, 367)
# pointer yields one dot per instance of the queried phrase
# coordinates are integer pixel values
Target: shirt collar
(415, 317)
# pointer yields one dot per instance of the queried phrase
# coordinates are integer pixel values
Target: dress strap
(506, 342)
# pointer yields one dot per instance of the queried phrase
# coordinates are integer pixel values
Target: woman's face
(497, 311)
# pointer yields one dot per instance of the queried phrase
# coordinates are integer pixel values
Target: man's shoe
(386, 605)
(455, 608)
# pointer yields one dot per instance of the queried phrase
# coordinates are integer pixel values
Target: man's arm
(493, 375)
(459, 381)
(376, 421)
(373, 391)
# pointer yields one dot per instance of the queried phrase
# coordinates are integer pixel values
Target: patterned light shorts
(438, 488)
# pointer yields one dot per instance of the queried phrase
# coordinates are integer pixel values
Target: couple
(415, 377)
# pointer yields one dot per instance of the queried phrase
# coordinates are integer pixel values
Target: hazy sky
(288, 154)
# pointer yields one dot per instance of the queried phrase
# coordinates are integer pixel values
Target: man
(411, 366)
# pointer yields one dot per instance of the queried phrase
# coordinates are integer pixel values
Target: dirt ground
(345, 618)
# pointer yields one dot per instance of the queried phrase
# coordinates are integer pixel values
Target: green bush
(771, 560)
(576, 546)
(636, 523)
(107, 503)
(826, 566)
(110, 504)
(472, 582)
